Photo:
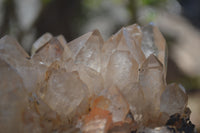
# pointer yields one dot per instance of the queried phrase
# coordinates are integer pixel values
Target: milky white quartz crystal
(90, 85)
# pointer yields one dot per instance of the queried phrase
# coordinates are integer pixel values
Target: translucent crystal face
(90, 85)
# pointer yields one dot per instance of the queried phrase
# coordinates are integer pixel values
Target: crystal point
(117, 104)
(11, 50)
(59, 84)
(154, 43)
(87, 52)
(134, 95)
(14, 55)
(122, 69)
(123, 40)
(151, 77)
(173, 99)
(62, 40)
(78, 43)
(89, 55)
(151, 80)
(128, 40)
(136, 33)
(92, 79)
(40, 42)
(49, 53)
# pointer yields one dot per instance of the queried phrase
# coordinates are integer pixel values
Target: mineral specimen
(91, 86)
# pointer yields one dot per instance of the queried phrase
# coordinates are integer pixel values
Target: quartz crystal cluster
(90, 85)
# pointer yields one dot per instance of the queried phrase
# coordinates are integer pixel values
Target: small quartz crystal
(154, 43)
(117, 105)
(87, 51)
(151, 79)
(64, 92)
(121, 70)
(40, 42)
(49, 53)
(173, 99)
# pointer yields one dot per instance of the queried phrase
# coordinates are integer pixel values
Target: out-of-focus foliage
(91, 4)
(46, 1)
(152, 2)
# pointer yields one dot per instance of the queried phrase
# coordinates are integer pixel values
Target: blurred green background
(179, 21)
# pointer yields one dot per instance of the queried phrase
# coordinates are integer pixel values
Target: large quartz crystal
(90, 85)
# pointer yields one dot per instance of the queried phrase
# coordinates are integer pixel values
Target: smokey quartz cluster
(90, 85)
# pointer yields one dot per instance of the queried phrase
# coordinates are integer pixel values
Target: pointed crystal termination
(92, 79)
(173, 99)
(76, 45)
(119, 107)
(135, 33)
(62, 40)
(40, 42)
(127, 42)
(16, 57)
(154, 43)
(116, 104)
(11, 51)
(123, 41)
(87, 50)
(151, 80)
(134, 96)
(121, 70)
(52, 51)
(64, 92)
